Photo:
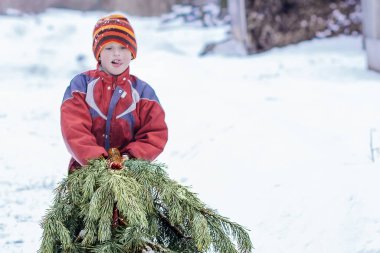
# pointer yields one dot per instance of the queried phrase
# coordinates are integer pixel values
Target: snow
(279, 141)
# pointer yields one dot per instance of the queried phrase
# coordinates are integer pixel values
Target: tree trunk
(275, 23)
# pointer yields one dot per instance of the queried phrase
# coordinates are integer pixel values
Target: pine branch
(159, 213)
(176, 230)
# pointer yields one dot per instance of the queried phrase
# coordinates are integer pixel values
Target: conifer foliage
(153, 211)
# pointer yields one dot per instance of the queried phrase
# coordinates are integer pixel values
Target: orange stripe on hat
(118, 27)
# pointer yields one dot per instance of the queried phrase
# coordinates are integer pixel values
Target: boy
(109, 108)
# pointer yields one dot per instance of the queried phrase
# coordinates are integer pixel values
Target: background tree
(276, 23)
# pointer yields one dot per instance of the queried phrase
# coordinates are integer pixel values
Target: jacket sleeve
(152, 135)
(76, 124)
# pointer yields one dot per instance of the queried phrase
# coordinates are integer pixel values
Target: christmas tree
(134, 209)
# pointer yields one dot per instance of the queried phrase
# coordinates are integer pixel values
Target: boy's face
(115, 58)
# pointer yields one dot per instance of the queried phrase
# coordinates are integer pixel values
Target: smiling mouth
(116, 62)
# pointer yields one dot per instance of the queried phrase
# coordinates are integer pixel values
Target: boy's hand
(115, 165)
(115, 160)
(125, 157)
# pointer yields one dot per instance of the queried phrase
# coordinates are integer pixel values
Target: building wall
(134, 7)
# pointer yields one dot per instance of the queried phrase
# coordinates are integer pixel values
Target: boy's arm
(151, 137)
(76, 127)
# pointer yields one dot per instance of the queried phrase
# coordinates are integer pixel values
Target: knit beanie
(113, 28)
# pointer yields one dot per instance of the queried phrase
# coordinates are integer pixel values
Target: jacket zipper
(114, 79)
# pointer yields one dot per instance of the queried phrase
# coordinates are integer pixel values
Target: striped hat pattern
(113, 28)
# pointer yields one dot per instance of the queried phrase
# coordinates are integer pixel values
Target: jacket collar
(108, 78)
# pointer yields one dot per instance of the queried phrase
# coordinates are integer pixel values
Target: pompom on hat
(113, 28)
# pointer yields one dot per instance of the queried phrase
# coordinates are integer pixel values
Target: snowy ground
(278, 142)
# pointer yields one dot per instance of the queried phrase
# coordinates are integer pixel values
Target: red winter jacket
(100, 111)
